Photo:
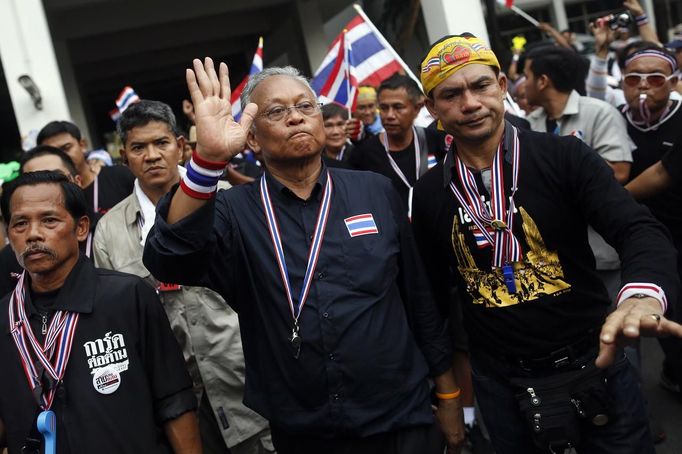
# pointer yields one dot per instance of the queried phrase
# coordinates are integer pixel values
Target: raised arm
(219, 137)
(646, 31)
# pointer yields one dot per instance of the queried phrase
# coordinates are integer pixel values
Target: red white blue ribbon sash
(53, 354)
(394, 165)
(506, 247)
(315, 247)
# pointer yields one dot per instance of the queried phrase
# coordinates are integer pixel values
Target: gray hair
(256, 79)
(142, 113)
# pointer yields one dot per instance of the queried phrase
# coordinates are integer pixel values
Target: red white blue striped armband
(642, 19)
(643, 288)
(201, 179)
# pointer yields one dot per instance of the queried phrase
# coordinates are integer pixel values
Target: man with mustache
(339, 330)
(403, 152)
(42, 157)
(505, 216)
(93, 347)
(206, 328)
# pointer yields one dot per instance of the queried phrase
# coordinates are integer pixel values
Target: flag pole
(524, 14)
(346, 67)
(383, 41)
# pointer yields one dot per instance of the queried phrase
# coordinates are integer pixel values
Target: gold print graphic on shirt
(537, 275)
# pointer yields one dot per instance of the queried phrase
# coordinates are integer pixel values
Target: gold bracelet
(449, 396)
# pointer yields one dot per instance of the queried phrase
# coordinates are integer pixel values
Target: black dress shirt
(360, 371)
(122, 325)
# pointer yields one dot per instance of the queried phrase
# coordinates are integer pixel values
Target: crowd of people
(477, 252)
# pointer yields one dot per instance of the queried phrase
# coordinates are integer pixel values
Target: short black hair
(74, 197)
(334, 110)
(397, 81)
(58, 127)
(564, 67)
(44, 150)
(144, 112)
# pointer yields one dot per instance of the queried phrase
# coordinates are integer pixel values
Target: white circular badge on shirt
(106, 380)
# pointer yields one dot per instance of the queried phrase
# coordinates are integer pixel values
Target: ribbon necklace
(646, 126)
(313, 254)
(417, 157)
(506, 247)
(53, 355)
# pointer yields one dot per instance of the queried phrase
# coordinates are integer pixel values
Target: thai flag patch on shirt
(431, 160)
(481, 240)
(362, 224)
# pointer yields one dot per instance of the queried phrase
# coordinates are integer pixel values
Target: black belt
(558, 359)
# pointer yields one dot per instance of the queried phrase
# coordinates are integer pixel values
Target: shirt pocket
(371, 260)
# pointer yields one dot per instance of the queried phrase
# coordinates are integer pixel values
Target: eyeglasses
(652, 79)
(278, 113)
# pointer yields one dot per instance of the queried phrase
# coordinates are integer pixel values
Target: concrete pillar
(559, 15)
(73, 96)
(449, 17)
(26, 48)
(312, 27)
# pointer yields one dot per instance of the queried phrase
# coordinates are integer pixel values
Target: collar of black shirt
(449, 161)
(78, 292)
(278, 188)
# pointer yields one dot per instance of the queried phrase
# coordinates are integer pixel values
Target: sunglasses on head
(652, 79)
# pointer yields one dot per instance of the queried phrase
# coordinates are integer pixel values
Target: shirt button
(331, 356)
(335, 397)
(320, 276)
(193, 321)
(326, 315)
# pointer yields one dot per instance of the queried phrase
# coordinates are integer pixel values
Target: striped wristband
(201, 179)
(647, 289)
(642, 20)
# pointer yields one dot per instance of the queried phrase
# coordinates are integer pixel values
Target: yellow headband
(451, 54)
(367, 94)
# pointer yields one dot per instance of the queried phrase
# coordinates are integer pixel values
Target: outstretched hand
(219, 137)
(632, 319)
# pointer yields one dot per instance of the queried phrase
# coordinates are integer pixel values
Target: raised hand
(633, 318)
(219, 137)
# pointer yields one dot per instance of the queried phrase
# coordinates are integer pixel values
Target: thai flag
(341, 87)
(370, 57)
(481, 241)
(506, 3)
(362, 224)
(431, 160)
(256, 67)
(126, 99)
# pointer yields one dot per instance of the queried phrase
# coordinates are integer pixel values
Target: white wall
(26, 48)
(450, 17)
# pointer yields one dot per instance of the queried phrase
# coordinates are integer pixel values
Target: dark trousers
(627, 433)
(414, 440)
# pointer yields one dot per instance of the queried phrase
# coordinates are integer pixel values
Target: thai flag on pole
(362, 224)
(341, 86)
(256, 67)
(371, 59)
(126, 99)
(506, 3)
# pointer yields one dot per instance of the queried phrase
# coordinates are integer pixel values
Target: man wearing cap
(653, 123)
(506, 215)
(339, 330)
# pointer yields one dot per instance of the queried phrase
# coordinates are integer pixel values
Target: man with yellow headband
(366, 111)
(505, 215)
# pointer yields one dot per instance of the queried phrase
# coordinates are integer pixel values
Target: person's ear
(503, 82)
(251, 141)
(180, 140)
(82, 228)
(124, 157)
(428, 102)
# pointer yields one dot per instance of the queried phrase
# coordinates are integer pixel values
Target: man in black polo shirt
(505, 215)
(103, 190)
(92, 346)
(339, 330)
(403, 152)
(653, 124)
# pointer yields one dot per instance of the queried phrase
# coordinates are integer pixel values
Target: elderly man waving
(339, 330)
